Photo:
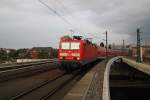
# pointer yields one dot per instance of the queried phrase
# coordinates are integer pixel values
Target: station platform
(139, 66)
(95, 84)
(90, 87)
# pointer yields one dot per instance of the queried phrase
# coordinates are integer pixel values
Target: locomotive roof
(84, 41)
(71, 40)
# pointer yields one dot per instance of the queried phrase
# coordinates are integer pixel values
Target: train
(76, 52)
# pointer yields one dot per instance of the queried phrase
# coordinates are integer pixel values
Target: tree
(12, 54)
(54, 53)
(3, 55)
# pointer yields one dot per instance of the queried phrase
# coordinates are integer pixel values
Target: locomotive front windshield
(70, 45)
(75, 45)
(65, 45)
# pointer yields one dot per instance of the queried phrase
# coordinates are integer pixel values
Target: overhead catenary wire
(64, 7)
(75, 29)
(96, 37)
(56, 13)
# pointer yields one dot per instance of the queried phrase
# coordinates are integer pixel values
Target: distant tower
(123, 45)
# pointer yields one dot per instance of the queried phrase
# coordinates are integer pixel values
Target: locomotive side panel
(76, 53)
(89, 53)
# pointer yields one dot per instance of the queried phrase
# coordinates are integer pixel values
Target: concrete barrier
(106, 92)
(29, 60)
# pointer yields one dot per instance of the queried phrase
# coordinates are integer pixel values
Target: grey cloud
(122, 16)
(27, 23)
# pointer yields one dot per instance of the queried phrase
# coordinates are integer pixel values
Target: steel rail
(61, 86)
(24, 65)
(13, 73)
(35, 88)
(47, 83)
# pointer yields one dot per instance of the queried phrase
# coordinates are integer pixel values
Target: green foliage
(25, 54)
(12, 54)
(44, 55)
(3, 55)
(54, 53)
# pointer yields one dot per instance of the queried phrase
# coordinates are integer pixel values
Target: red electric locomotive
(76, 52)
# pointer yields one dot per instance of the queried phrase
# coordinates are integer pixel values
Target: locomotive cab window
(75, 45)
(65, 45)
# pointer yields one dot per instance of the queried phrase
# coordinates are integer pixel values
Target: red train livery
(74, 53)
(111, 52)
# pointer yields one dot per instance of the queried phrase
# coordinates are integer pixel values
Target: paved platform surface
(95, 84)
(90, 87)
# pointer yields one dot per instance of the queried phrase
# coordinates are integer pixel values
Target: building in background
(43, 52)
(145, 51)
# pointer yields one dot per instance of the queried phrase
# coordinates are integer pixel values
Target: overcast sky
(28, 23)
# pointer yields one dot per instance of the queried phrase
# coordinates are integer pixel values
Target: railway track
(40, 86)
(10, 72)
(10, 88)
(36, 87)
(46, 89)
(22, 65)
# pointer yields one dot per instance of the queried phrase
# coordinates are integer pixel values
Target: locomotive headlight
(63, 54)
(60, 57)
(78, 58)
(75, 54)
